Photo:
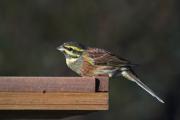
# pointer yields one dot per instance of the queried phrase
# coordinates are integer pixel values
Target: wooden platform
(54, 93)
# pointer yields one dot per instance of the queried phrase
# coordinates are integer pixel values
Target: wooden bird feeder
(54, 93)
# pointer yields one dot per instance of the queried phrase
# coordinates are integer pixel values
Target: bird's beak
(60, 48)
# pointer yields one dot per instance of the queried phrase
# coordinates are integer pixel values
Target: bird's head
(72, 49)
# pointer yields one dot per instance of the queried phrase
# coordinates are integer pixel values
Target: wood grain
(53, 101)
(54, 107)
(53, 84)
(54, 93)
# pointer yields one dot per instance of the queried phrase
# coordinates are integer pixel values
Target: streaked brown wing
(103, 57)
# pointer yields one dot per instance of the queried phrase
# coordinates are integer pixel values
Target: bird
(90, 61)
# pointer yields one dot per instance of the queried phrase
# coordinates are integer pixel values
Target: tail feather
(130, 76)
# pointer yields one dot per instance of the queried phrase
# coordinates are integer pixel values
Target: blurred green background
(146, 32)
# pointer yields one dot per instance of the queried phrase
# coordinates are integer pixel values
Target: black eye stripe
(70, 49)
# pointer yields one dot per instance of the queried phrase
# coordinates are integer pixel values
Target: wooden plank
(53, 84)
(54, 107)
(52, 98)
(53, 101)
(53, 93)
(47, 84)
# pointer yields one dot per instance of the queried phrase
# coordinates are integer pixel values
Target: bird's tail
(131, 76)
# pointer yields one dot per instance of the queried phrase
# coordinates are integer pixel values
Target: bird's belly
(105, 70)
(83, 68)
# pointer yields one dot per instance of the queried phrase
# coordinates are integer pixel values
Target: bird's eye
(70, 49)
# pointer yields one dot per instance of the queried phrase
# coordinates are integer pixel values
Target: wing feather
(103, 57)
